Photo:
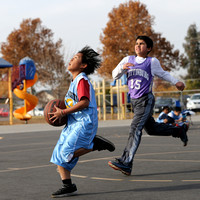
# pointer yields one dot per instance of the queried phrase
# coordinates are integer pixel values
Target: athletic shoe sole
(65, 195)
(109, 145)
(118, 168)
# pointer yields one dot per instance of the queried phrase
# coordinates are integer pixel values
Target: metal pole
(104, 99)
(10, 95)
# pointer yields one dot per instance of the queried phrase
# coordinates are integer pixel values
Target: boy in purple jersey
(141, 70)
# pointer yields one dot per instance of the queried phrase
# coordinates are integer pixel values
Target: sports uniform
(79, 135)
(81, 127)
(140, 80)
(161, 117)
(178, 117)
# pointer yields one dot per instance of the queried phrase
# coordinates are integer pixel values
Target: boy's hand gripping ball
(49, 108)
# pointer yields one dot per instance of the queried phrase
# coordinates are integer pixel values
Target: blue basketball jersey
(71, 99)
(80, 129)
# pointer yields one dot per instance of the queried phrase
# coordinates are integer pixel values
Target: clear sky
(80, 22)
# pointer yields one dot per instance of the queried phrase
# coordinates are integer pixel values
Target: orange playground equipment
(26, 78)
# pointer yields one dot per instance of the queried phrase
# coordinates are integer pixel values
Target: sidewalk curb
(23, 128)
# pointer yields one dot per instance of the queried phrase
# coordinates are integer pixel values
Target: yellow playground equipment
(113, 101)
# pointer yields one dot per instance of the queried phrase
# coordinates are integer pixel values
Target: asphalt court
(163, 168)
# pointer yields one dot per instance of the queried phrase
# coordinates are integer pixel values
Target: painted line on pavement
(190, 180)
(106, 179)
(158, 160)
(93, 178)
(151, 180)
(78, 176)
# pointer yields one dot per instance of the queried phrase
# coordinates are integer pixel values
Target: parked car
(193, 103)
(161, 102)
(185, 99)
(4, 112)
(37, 112)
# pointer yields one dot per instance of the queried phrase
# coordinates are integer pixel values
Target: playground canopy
(4, 63)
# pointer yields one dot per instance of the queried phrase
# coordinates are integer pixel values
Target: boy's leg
(64, 173)
(100, 144)
(134, 139)
(154, 128)
(142, 110)
(161, 129)
(68, 188)
(81, 152)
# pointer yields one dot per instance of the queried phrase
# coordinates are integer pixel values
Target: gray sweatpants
(143, 111)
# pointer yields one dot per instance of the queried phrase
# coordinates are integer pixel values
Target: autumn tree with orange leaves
(118, 38)
(36, 41)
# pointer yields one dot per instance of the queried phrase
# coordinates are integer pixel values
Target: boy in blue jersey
(141, 70)
(178, 117)
(164, 117)
(79, 135)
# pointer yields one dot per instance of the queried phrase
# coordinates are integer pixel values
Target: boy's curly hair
(91, 58)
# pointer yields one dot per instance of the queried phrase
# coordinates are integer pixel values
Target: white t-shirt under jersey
(156, 69)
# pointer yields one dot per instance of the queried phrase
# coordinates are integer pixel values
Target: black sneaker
(183, 135)
(101, 143)
(117, 165)
(66, 190)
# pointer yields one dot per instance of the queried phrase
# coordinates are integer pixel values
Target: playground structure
(113, 96)
(17, 79)
(26, 78)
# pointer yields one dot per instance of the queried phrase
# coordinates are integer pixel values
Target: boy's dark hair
(147, 40)
(177, 109)
(91, 58)
(165, 107)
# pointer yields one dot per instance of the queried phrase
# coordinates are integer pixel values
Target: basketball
(49, 108)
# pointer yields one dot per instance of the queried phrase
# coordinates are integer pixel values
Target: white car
(193, 103)
(37, 112)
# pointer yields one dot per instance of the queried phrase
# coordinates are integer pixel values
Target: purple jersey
(139, 78)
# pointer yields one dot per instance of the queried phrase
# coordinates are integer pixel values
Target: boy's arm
(180, 118)
(157, 70)
(83, 103)
(162, 118)
(121, 68)
(159, 119)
